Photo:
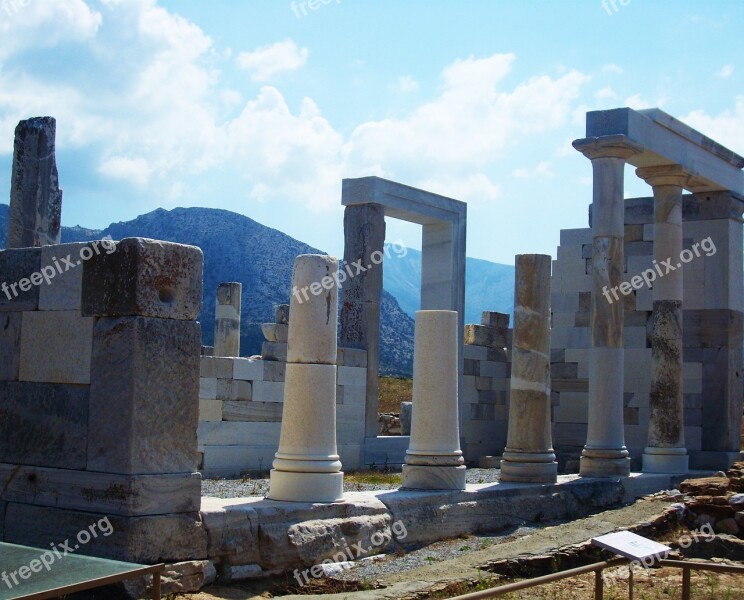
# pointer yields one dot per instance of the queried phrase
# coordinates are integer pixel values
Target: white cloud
(135, 170)
(267, 61)
(613, 68)
(473, 189)
(606, 93)
(726, 128)
(726, 71)
(407, 84)
(541, 170)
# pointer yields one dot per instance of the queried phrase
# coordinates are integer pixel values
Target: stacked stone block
(486, 372)
(99, 399)
(712, 343)
(241, 402)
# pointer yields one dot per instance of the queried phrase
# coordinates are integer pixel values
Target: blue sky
(262, 107)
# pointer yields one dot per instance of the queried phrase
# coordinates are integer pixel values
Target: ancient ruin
(110, 409)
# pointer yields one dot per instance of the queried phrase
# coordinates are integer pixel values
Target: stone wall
(99, 391)
(241, 402)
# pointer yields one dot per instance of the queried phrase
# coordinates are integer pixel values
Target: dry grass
(393, 391)
(373, 478)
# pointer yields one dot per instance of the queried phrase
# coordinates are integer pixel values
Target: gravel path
(244, 487)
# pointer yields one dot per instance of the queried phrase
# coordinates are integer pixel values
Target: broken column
(307, 466)
(434, 460)
(605, 454)
(528, 456)
(666, 451)
(35, 197)
(227, 320)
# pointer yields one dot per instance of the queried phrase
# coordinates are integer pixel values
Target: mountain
(237, 248)
(488, 286)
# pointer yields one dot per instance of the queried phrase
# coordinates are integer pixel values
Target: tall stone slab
(35, 197)
(307, 466)
(528, 456)
(434, 460)
(227, 320)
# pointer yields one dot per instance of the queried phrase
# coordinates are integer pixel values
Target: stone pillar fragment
(605, 454)
(364, 234)
(434, 460)
(528, 456)
(227, 320)
(35, 197)
(666, 451)
(307, 466)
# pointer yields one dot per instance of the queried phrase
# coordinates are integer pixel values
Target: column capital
(665, 175)
(609, 146)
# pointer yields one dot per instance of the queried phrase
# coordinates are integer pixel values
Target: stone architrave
(227, 320)
(35, 197)
(605, 454)
(307, 466)
(666, 451)
(434, 460)
(528, 456)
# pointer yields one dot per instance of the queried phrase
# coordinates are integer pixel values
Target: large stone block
(144, 406)
(10, 345)
(150, 539)
(144, 278)
(123, 495)
(44, 424)
(238, 433)
(17, 267)
(270, 412)
(62, 265)
(56, 347)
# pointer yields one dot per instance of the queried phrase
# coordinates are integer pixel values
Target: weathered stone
(710, 486)
(496, 320)
(35, 197)
(17, 266)
(227, 320)
(274, 351)
(151, 539)
(144, 278)
(145, 373)
(10, 345)
(179, 578)
(63, 284)
(232, 531)
(480, 335)
(282, 314)
(729, 526)
(56, 347)
(269, 412)
(44, 424)
(529, 456)
(123, 495)
(314, 309)
(275, 332)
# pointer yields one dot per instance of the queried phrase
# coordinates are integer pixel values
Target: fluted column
(529, 455)
(605, 454)
(307, 466)
(227, 320)
(434, 460)
(666, 451)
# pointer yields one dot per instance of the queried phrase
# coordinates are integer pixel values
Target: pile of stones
(716, 501)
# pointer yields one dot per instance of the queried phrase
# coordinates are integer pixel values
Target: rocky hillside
(237, 248)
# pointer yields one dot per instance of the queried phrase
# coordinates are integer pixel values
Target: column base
(529, 472)
(604, 467)
(666, 460)
(306, 487)
(421, 477)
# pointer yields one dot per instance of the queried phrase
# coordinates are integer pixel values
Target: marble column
(605, 454)
(227, 320)
(35, 197)
(529, 455)
(666, 451)
(434, 460)
(307, 466)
